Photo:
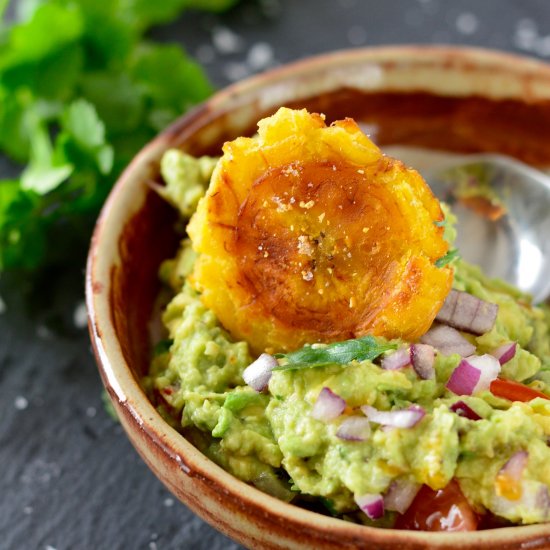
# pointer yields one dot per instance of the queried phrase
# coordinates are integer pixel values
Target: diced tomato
(444, 510)
(514, 391)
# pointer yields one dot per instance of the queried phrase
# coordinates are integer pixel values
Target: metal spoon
(516, 246)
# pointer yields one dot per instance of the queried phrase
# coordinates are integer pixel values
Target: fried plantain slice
(309, 233)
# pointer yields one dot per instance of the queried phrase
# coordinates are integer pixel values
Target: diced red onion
(328, 406)
(403, 418)
(397, 360)
(473, 374)
(354, 428)
(505, 352)
(422, 359)
(464, 311)
(448, 341)
(514, 467)
(542, 501)
(371, 504)
(400, 495)
(258, 373)
(462, 409)
(490, 369)
(464, 379)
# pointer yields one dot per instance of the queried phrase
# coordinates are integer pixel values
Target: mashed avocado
(272, 440)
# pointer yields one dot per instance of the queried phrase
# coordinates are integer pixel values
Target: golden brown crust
(313, 235)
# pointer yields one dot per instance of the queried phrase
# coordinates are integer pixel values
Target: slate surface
(69, 477)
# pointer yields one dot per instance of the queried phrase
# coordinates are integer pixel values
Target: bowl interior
(439, 99)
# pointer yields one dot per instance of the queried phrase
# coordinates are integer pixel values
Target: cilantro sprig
(449, 257)
(82, 89)
(366, 348)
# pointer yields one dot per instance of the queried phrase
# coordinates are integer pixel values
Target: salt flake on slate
(226, 41)
(21, 403)
(259, 56)
(40, 472)
(467, 23)
(542, 46)
(43, 332)
(235, 71)
(526, 35)
(80, 315)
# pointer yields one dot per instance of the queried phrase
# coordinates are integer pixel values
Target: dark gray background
(69, 477)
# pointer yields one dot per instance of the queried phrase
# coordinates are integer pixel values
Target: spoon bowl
(503, 211)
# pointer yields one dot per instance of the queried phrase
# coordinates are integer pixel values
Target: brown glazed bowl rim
(126, 392)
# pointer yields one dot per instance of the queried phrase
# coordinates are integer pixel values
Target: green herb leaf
(329, 505)
(163, 71)
(44, 179)
(366, 348)
(81, 121)
(162, 347)
(82, 125)
(22, 241)
(441, 223)
(50, 28)
(452, 255)
(43, 174)
(81, 91)
(144, 13)
(119, 101)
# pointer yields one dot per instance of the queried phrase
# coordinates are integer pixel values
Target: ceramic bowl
(451, 98)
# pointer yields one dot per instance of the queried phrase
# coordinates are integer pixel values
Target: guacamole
(497, 452)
